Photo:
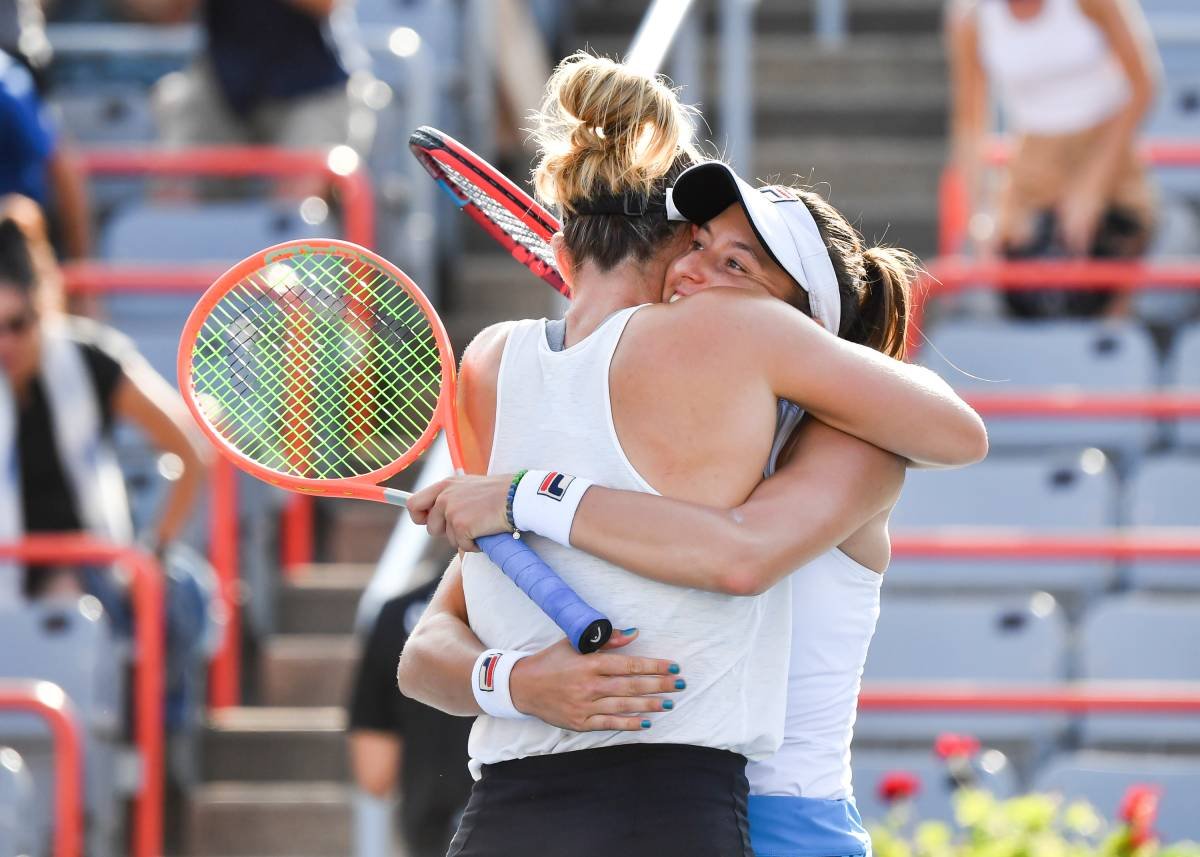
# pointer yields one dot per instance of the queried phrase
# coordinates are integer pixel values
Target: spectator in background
(1075, 78)
(64, 382)
(392, 735)
(23, 33)
(272, 73)
(33, 162)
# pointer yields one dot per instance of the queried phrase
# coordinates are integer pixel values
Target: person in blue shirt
(34, 163)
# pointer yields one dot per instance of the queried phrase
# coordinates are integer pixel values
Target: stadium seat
(1165, 492)
(70, 644)
(96, 115)
(1183, 373)
(933, 800)
(993, 356)
(986, 641)
(1141, 637)
(1103, 778)
(17, 802)
(1038, 492)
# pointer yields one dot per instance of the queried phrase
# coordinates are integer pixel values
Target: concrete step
(322, 599)
(861, 61)
(891, 112)
(307, 670)
(276, 744)
(258, 819)
(357, 532)
(852, 168)
(613, 17)
(497, 283)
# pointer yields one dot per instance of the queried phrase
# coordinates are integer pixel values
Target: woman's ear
(564, 260)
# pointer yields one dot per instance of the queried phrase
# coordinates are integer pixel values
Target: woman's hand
(1078, 216)
(601, 692)
(463, 507)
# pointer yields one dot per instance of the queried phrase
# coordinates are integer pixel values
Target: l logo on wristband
(487, 672)
(555, 485)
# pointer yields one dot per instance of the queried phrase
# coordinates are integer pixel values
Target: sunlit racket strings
(512, 225)
(319, 367)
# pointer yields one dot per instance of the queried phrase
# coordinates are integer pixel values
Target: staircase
(275, 775)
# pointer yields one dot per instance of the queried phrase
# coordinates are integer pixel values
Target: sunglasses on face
(17, 325)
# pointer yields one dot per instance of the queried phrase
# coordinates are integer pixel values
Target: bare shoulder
(478, 380)
(486, 349)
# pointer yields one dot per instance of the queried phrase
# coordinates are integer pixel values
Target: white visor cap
(782, 222)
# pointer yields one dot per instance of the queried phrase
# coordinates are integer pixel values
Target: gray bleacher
(1143, 637)
(1183, 373)
(992, 641)
(1005, 357)
(105, 114)
(1165, 492)
(933, 800)
(68, 643)
(17, 802)
(1051, 491)
(1103, 778)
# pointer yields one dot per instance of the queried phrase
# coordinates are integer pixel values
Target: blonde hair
(605, 129)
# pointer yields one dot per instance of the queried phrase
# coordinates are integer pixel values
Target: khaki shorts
(1040, 173)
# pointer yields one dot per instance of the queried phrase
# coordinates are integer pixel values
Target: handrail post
(736, 85)
(47, 700)
(225, 675)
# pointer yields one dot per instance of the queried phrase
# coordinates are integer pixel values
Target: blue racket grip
(585, 627)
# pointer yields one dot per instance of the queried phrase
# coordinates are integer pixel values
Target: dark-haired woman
(64, 383)
(1075, 79)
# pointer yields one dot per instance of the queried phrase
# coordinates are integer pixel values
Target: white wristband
(489, 683)
(546, 502)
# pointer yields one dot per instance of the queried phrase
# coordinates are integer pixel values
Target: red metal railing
(146, 594)
(354, 192)
(1152, 543)
(48, 701)
(1141, 697)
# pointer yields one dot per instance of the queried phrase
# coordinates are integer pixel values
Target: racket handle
(584, 626)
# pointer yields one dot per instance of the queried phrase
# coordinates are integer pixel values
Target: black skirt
(655, 800)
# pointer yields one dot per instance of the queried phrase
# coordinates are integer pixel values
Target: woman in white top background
(1074, 80)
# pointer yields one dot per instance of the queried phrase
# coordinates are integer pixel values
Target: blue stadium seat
(1037, 492)
(1165, 492)
(1141, 637)
(68, 643)
(1183, 373)
(1103, 778)
(107, 115)
(17, 803)
(933, 799)
(988, 641)
(992, 356)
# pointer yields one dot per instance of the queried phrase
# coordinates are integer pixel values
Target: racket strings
(512, 225)
(323, 367)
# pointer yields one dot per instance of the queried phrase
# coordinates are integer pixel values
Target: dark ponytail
(875, 283)
(26, 258)
(16, 262)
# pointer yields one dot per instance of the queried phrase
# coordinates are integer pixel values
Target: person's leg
(190, 111)
(374, 764)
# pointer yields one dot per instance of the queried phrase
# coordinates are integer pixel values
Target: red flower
(1139, 809)
(948, 745)
(898, 785)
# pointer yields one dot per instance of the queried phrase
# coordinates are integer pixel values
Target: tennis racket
(319, 367)
(509, 214)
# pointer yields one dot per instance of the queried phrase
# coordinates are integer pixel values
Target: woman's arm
(968, 112)
(1129, 37)
(559, 686)
(150, 403)
(830, 487)
(896, 406)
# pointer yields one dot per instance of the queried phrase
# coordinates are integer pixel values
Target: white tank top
(835, 606)
(1056, 72)
(552, 411)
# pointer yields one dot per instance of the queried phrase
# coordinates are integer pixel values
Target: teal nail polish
(668, 705)
(645, 724)
(673, 669)
(680, 684)
(629, 632)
